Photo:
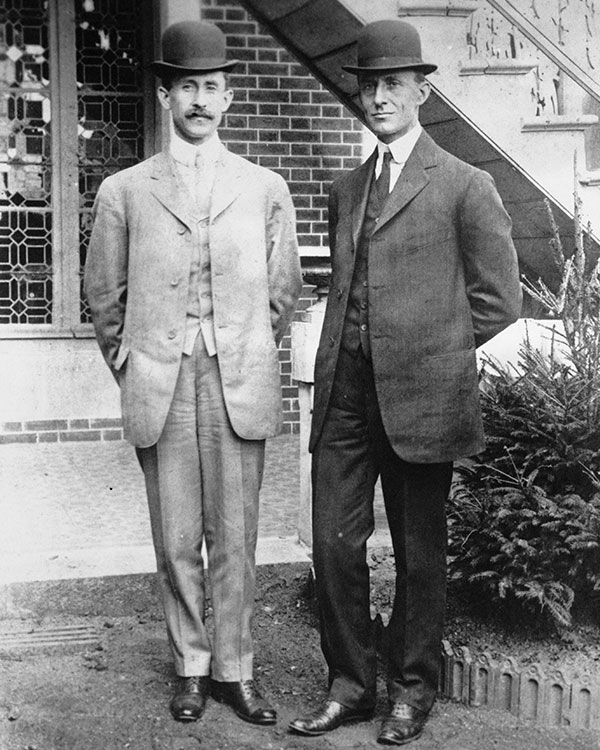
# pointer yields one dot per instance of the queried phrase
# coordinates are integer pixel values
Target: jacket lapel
(168, 189)
(227, 185)
(412, 180)
(359, 194)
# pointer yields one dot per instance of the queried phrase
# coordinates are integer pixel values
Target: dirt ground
(113, 692)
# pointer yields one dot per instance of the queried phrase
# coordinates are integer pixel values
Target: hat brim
(160, 68)
(423, 67)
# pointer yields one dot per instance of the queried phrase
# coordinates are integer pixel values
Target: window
(73, 108)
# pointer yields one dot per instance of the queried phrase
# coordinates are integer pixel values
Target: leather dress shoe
(189, 701)
(245, 700)
(330, 716)
(402, 724)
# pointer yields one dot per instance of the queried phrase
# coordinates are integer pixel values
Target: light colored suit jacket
(443, 279)
(137, 276)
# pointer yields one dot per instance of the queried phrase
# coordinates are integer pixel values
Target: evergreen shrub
(524, 517)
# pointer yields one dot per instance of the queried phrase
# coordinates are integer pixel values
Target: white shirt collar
(185, 152)
(400, 148)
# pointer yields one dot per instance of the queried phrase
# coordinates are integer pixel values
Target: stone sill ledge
(498, 67)
(558, 122)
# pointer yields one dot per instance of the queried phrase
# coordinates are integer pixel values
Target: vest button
(174, 282)
(331, 341)
(363, 327)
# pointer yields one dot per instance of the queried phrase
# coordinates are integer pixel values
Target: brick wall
(283, 119)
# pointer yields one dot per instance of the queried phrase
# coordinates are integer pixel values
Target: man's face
(196, 102)
(391, 101)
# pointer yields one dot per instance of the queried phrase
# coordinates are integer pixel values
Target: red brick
(294, 82)
(80, 437)
(307, 136)
(212, 14)
(270, 162)
(238, 27)
(309, 240)
(353, 137)
(269, 123)
(243, 82)
(229, 134)
(237, 14)
(48, 437)
(242, 109)
(269, 109)
(17, 437)
(46, 425)
(268, 83)
(300, 97)
(236, 41)
(279, 95)
(300, 175)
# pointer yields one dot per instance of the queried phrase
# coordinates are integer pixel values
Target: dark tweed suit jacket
(443, 279)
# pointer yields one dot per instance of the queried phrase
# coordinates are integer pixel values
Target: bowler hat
(192, 46)
(388, 45)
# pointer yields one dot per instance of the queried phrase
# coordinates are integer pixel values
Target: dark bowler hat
(388, 45)
(193, 47)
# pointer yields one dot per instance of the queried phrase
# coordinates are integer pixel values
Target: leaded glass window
(73, 98)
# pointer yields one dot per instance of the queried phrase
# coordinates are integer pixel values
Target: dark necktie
(383, 181)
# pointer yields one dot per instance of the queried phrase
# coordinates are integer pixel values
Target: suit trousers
(202, 483)
(351, 453)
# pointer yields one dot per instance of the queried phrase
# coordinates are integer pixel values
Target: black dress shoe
(330, 716)
(403, 724)
(245, 700)
(189, 701)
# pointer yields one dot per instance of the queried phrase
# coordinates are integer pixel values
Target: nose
(380, 93)
(199, 98)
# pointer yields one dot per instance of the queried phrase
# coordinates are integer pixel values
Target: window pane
(110, 98)
(26, 274)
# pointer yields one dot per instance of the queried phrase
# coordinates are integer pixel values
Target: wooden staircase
(506, 97)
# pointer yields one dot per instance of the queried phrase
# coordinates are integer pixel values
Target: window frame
(64, 179)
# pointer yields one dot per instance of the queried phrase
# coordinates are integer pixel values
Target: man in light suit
(192, 277)
(424, 271)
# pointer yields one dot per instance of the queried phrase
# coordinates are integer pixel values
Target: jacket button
(331, 341)
(174, 282)
(172, 334)
(363, 327)
(339, 293)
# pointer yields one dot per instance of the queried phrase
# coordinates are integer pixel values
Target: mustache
(196, 112)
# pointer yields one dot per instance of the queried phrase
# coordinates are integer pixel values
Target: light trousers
(202, 483)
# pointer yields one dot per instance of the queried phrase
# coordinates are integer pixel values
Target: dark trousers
(352, 452)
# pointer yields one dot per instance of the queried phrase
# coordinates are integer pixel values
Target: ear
(163, 97)
(424, 90)
(228, 96)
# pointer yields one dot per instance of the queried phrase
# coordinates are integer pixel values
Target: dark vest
(355, 333)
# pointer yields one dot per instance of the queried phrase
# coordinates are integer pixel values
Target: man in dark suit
(423, 271)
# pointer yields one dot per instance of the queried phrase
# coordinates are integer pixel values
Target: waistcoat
(355, 333)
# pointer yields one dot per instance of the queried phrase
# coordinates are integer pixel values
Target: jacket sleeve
(105, 279)
(283, 262)
(489, 259)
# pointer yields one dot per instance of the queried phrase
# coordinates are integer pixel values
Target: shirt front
(197, 165)
(400, 150)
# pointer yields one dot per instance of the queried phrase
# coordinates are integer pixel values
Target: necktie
(383, 181)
